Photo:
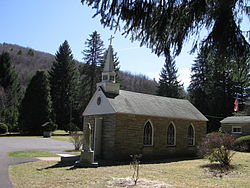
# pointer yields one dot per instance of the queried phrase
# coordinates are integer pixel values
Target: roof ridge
(154, 95)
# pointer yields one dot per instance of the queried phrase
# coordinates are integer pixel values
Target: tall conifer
(9, 91)
(169, 86)
(36, 105)
(64, 82)
(91, 71)
(215, 83)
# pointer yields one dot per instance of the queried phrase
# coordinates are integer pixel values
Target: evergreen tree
(215, 84)
(64, 82)
(9, 92)
(169, 86)
(199, 88)
(160, 24)
(36, 105)
(91, 71)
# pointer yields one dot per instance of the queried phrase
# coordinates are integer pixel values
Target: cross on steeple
(111, 39)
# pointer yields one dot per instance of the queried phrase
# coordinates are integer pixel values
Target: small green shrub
(242, 144)
(3, 128)
(217, 147)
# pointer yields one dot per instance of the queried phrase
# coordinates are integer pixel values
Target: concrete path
(10, 144)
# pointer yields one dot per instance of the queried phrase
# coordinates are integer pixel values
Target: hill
(27, 61)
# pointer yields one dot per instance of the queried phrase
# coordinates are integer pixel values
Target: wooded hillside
(27, 61)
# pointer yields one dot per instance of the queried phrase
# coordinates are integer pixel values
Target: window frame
(152, 133)
(193, 143)
(174, 144)
(237, 127)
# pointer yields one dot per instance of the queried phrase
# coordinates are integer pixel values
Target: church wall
(108, 130)
(129, 137)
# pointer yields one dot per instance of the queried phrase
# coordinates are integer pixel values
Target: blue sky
(45, 24)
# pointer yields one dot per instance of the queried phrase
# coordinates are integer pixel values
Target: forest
(37, 87)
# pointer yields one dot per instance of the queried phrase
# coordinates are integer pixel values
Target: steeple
(108, 83)
(109, 62)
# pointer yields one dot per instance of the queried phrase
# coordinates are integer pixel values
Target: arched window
(190, 135)
(171, 135)
(148, 134)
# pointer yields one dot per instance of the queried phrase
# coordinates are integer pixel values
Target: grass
(72, 150)
(186, 173)
(32, 154)
(58, 135)
(62, 138)
(60, 132)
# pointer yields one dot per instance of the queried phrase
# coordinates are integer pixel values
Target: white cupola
(108, 83)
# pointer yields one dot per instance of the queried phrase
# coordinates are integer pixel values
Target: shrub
(217, 147)
(76, 139)
(135, 164)
(3, 128)
(242, 143)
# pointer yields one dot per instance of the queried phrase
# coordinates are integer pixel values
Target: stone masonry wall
(129, 137)
(122, 135)
(108, 131)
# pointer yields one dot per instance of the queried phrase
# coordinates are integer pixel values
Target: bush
(3, 128)
(242, 143)
(135, 164)
(76, 139)
(217, 147)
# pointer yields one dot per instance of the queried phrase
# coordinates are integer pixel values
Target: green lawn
(32, 154)
(60, 132)
(187, 173)
(62, 138)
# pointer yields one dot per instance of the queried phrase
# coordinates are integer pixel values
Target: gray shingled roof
(143, 104)
(236, 119)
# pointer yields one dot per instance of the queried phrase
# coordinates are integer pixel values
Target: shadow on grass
(61, 164)
(106, 163)
(219, 170)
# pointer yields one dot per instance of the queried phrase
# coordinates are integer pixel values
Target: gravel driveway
(10, 144)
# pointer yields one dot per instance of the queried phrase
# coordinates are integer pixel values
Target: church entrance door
(98, 137)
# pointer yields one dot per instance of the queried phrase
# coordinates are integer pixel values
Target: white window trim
(194, 135)
(152, 132)
(236, 127)
(174, 134)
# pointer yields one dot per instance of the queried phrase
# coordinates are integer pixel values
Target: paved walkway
(10, 144)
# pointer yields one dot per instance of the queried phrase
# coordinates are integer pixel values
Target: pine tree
(91, 71)
(160, 24)
(9, 92)
(64, 82)
(36, 105)
(199, 88)
(169, 86)
(215, 83)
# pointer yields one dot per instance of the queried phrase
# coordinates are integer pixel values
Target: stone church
(125, 122)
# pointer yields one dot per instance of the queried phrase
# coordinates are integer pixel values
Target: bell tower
(108, 83)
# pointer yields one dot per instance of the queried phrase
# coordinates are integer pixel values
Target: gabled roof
(236, 119)
(144, 104)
